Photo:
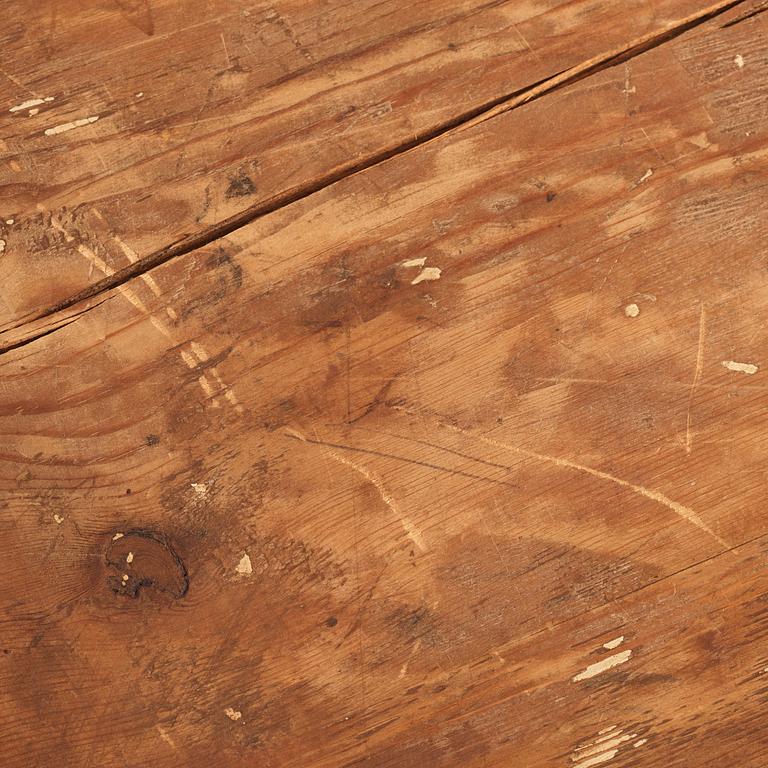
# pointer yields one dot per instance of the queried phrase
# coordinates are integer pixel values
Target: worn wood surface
(154, 119)
(459, 461)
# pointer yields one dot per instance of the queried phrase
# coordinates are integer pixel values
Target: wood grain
(157, 120)
(457, 462)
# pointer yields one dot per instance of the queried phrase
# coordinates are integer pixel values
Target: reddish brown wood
(457, 462)
(204, 110)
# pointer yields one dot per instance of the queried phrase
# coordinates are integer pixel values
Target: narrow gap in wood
(486, 111)
(750, 15)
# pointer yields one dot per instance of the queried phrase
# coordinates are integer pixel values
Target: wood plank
(158, 120)
(455, 492)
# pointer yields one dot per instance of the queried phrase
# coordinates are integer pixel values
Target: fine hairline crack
(463, 121)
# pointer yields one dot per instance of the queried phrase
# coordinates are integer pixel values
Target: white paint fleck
(428, 273)
(604, 665)
(597, 759)
(233, 714)
(9, 221)
(639, 743)
(30, 103)
(601, 749)
(739, 61)
(2, 246)
(631, 310)
(611, 644)
(244, 567)
(201, 489)
(415, 262)
(647, 175)
(731, 365)
(59, 519)
(33, 112)
(129, 558)
(64, 127)
(139, 94)
(118, 536)
(125, 577)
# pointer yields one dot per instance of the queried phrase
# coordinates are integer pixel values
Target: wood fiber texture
(448, 449)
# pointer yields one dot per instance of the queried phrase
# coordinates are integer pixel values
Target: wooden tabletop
(382, 384)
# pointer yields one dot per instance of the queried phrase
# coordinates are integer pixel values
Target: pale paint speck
(59, 519)
(30, 103)
(9, 221)
(611, 644)
(199, 488)
(602, 666)
(129, 558)
(244, 567)
(601, 749)
(739, 61)
(415, 262)
(233, 714)
(2, 245)
(125, 577)
(631, 310)
(639, 743)
(597, 759)
(732, 365)
(428, 273)
(118, 536)
(64, 127)
(647, 175)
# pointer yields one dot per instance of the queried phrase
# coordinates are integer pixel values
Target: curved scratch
(696, 376)
(679, 509)
(413, 533)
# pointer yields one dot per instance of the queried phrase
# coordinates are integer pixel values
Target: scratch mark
(226, 52)
(198, 349)
(415, 462)
(413, 533)
(679, 509)
(165, 736)
(522, 37)
(404, 668)
(99, 263)
(229, 394)
(133, 257)
(661, 157)
(18, 82)
(696, 375)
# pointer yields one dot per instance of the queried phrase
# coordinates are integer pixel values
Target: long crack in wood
(467, 119)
